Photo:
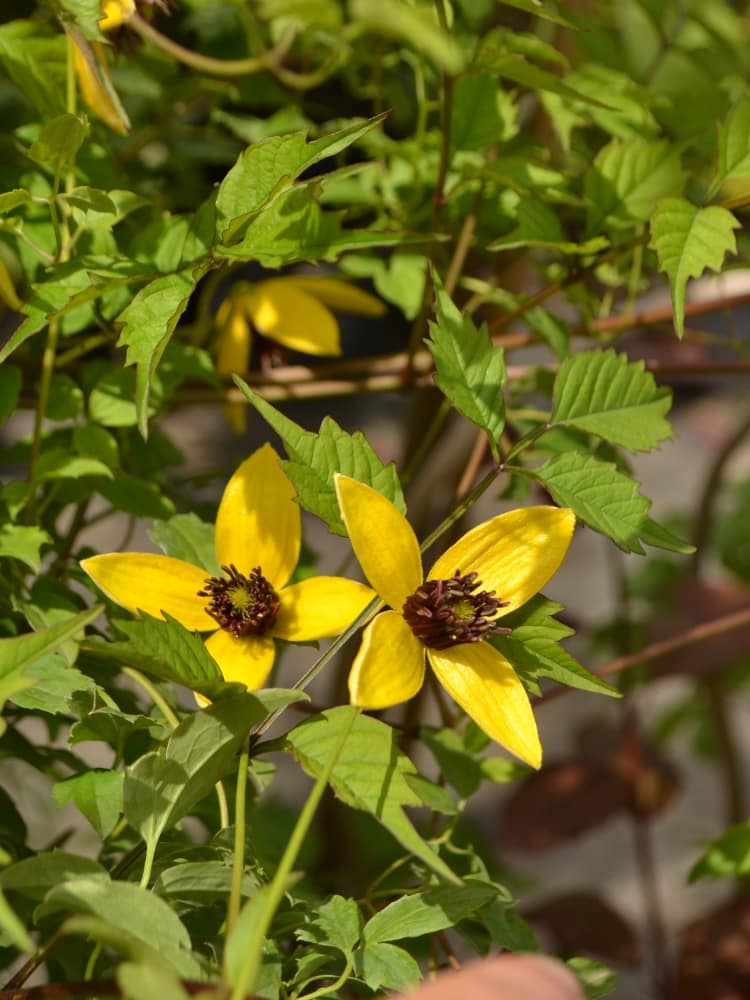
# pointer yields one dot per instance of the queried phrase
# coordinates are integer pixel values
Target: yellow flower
(494, 569)
(258, 536)
(116, 12)
(294, 310)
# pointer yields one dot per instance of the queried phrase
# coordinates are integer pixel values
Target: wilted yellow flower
(448, 615)
(93, 72)
(258, 537)
(294, 310)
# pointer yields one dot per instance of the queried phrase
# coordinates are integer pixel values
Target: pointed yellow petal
(248, 660)
(152, 583)
(389, 667)
(293, 318)
(319, 607)
(515, 554)
(487, 687)
(233, 355)
(382, 539)
(337, 294)
(258, 523)
(93, 81)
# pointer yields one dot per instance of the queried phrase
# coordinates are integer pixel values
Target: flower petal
(116, 12)
(389, 667)
(514, 554)
(487, 687)
(233, 355)
(294, 319)
(152, 583)
(319, 607)
(248, 660)
(258, 523)
(93, 79)
(337, 294)
(382, 539)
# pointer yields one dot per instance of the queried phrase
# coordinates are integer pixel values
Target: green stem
(45, 379)
(254, 946)
(466, 504)
(332, 988)
(425, 445)
(238, 863)
(155, 695)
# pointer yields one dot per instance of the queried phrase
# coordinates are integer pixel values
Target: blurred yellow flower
(448, 615)
(116, 12)
(92, 70)
(258, 537)
(294, 311)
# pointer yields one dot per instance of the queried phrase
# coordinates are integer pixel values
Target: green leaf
(59, 463)
(602, 393)
(147, 980)
(539, 226)
(12, 927)
(87, 14)
(135, 914)
(417, 26)
(55, 683)
(95, 442)
(200, 882)
(186, 537)
(35, 64)
(470, 371)
(599, 494)
(481, 113)
(458, 765)
(131, 495)
(47, 299)
(659, 537)
(12, 199)
(97, 794)
(596, 979)
(726, 857)
(337, 923)
(546, 10)
(19, 653)
(628, 178)
(167, 651)
(265, 168)
(294, 228)
(734, 147)
(534, 648)
(687, 240)
(34, 877)
(162, 787)
(90, 200)
(65, 398)
(149, 321)
(386, 966)
(20, 542)
(427, 912)
(313, 459)
(59, 141)
(370, 774)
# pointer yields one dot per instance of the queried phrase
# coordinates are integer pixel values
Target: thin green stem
(155, 694)
(466, 504)
(425, 445)
(332, 988)
(253, 948)
(45, 379)
(238, 862)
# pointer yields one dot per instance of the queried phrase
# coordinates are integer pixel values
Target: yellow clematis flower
(294, 311)
(258, 536)
(448, 614)
(116, 12)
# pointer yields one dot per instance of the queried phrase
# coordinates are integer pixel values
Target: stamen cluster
(240, 604)
(445, 613)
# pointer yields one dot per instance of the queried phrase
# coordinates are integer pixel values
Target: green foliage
(727, 857)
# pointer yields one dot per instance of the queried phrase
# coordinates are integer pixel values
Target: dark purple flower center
(445, 613)
(242, 605)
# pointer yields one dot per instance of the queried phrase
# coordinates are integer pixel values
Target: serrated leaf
(370, 774)
(602, 393)
(599, 494)
(313, 459)
(149, 321)
(687, 240)
(186, 537)
(628, 178)
(427, 912)
(659, 537)
(47, 299)
(97, 794)
(265, 168)
(386, 966)
(734, 146)
(294, 228)
(336, 923)
(162, 787)
(167, 651)
(55, 683)
(469, 370)
(534, 648)
(728, 856)
(23, 542)
(539, 226)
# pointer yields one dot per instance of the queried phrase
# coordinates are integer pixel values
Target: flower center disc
(242, 605)
(445, 613)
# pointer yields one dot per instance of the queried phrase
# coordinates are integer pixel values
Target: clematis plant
(258, 536)
(449, 615)
(295, 311)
